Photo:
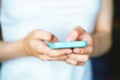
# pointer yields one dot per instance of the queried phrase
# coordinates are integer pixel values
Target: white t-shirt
(19, 17)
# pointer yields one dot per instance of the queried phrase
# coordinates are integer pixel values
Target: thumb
(75, 33)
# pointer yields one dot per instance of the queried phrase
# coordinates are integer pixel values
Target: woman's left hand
(80, 55)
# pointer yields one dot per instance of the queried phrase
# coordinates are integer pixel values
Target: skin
(99, 42)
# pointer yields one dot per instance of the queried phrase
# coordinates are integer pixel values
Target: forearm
(11, 50)
(103, 31)
(102, 43)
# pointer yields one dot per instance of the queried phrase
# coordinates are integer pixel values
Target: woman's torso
(19, 17)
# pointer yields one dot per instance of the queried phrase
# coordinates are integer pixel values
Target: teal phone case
(69, 44)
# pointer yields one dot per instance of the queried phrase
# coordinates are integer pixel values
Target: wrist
(11, 50)
(16, 49)
(23, 48)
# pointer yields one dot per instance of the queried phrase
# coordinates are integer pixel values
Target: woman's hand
(34, 45)
(80, 55)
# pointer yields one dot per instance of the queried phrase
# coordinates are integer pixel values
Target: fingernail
(55, 40)
(69, 38)
(68, 52)
(77, 51)
(71, 61)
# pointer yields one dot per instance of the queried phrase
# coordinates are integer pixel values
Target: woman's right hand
(34, 45)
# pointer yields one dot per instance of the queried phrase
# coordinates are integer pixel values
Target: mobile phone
(68, 44)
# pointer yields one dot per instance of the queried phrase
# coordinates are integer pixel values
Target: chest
(36, 9)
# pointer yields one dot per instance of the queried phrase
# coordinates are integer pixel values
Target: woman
(28, 24)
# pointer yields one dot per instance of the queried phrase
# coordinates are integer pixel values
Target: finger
(78, 50)
(87, 50)
(44, 35)
(58, 52)
(72, 62)
(80, 58)
(74, 35)
(43, 48)
(61, 58)
(80, 64)
(87, 37)
(45, 57)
